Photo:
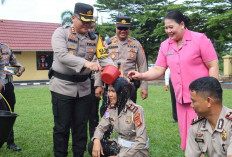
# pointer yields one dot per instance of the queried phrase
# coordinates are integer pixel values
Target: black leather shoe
(174, 121)
(14, 147)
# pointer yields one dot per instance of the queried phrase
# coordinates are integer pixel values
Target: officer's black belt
(71, 78)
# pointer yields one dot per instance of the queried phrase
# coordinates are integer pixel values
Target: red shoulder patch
(132, 107)
(229, 116)
(195, 120)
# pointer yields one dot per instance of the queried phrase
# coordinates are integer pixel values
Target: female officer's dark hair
(178, 17)
(124, 90)
(207, 86)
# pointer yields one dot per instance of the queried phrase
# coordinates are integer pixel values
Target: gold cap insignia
(89, 12)
(123, 21)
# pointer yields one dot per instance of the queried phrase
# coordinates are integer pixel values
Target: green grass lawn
(33, 128)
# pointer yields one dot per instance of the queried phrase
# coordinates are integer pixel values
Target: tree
(66, 17)
(212, 17)
(2, 1)
(215, 18)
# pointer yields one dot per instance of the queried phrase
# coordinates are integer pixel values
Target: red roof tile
(24, 35)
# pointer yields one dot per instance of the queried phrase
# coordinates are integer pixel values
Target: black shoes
(13, 147)
(174, 121)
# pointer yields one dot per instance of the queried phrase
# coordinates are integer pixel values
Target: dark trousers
(69, 113)
(173, 98)
(8, 93)
(93, 110)
(3, 104)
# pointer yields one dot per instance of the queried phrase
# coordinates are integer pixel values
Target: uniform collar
(220, 122)
(122, 42)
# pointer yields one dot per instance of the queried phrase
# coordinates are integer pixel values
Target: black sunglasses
(122, 28)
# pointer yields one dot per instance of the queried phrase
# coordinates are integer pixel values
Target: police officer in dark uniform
(8, 90)
(75, 56)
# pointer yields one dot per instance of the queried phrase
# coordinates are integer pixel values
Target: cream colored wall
(28, 60)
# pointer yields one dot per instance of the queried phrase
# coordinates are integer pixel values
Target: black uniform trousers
(173, 98)
(93, 110)
(3, 104)
(69, 113)
(8, 93)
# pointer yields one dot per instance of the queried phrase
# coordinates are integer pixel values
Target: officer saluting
(210, 132)
(70, 85)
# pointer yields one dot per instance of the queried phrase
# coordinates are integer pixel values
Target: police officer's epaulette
(198, 119)
(132, 107)
(229, 116)
(66, 26)
(112, 106)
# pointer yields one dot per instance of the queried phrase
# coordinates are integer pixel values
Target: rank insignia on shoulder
(229, 116)
(137, 120)
(107, 114)
(195, 120)
(132, 107)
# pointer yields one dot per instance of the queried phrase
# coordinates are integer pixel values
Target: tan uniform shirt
(215, 143)
(131, 54)
(9, 59)
(2, 64)
(71, 52)
(130, 125)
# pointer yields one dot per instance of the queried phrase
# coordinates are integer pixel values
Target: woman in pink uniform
(189, 55)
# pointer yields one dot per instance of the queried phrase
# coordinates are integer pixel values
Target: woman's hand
(135, 75)
(97, 148)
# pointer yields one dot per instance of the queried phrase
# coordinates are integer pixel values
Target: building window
(44, 60)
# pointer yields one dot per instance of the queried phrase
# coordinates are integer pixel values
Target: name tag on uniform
(170, 53)
(199, 140)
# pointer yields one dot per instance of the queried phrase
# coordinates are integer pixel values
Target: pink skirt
(185, 115)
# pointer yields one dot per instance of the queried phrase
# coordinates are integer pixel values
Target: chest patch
(107, 114)
(128, 119)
